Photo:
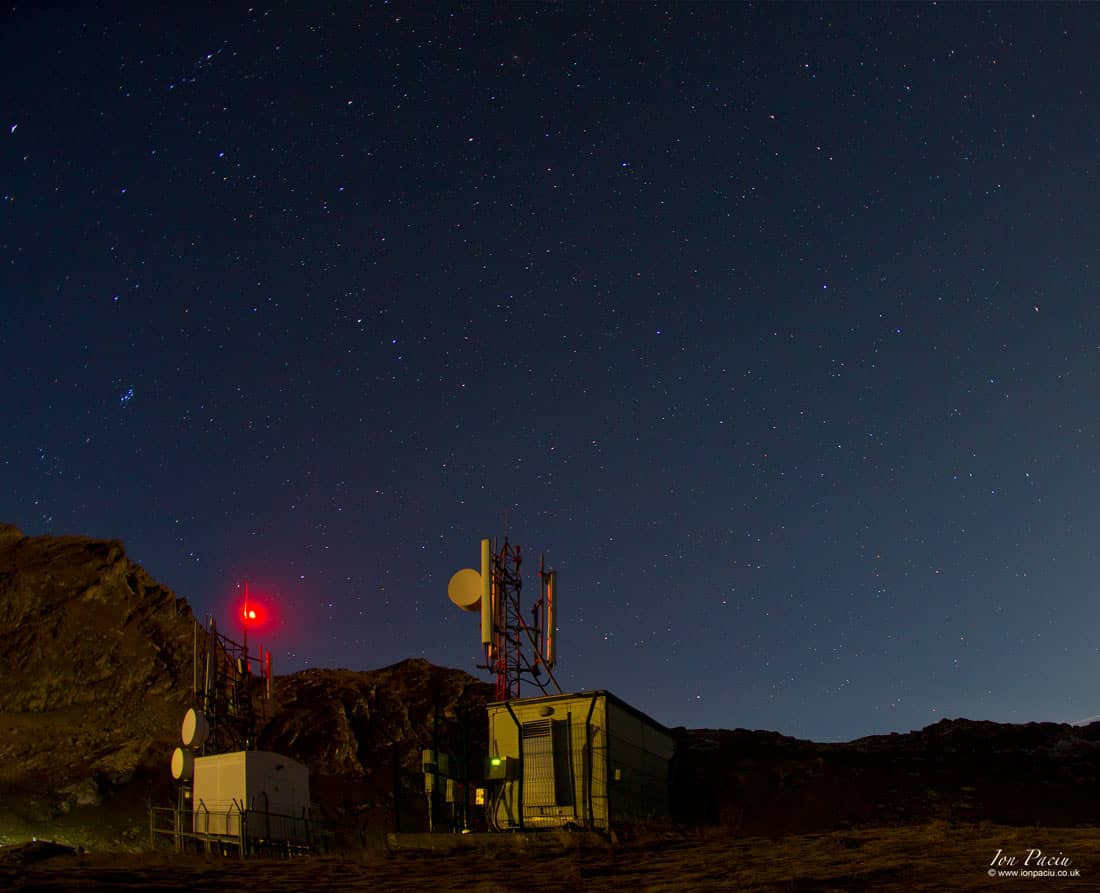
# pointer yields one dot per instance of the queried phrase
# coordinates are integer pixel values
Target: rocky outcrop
(80, 623)
(93, 653)
(362, 735)
(344, 720)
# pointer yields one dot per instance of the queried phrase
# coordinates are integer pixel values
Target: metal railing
(236, 830)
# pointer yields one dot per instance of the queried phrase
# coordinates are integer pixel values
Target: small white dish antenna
(465, 589)
(195, 729)
(183, 764)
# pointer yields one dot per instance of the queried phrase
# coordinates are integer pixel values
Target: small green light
(495, 761)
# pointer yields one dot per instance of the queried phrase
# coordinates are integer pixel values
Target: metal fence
(234, 830)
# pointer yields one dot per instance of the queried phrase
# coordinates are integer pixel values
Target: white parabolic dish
(183, 764)
(195, 729)
(465, 589)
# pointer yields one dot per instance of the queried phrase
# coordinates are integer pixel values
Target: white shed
(268, 791)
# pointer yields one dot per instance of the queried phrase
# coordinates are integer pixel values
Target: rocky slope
(92, 657)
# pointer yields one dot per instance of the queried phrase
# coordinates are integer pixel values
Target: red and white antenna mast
(513, 647)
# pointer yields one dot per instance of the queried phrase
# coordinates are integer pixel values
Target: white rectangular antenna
(550, 651)
(486, 595)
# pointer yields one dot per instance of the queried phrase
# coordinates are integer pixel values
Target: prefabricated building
(268, 790)
(584, 760)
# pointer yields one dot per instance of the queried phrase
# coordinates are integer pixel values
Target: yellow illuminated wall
(586, 759)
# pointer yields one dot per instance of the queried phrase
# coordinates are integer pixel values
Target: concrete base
(540, 841)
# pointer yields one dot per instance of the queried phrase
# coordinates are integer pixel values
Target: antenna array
(233, 700)
(514, 647)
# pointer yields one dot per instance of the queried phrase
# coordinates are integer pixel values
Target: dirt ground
(930, 857)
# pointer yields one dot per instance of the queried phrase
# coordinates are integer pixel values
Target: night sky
(777, 328)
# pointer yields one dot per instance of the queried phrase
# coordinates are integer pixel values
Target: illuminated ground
(918, 858)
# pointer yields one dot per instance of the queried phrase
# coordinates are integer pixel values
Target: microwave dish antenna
(465, 589)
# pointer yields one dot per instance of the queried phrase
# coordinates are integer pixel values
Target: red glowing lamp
(252, 613)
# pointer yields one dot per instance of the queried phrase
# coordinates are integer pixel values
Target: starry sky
(776, 327)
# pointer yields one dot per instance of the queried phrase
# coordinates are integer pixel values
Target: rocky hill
(93, 654)
(362, 735)
(96, 672)
(956, 770)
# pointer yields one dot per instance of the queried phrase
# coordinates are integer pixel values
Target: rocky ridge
(956, 770)
(92, 654)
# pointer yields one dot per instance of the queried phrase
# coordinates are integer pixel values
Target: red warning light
(252, 613)
(255, 613)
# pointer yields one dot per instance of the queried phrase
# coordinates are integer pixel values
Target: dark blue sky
(776, 327)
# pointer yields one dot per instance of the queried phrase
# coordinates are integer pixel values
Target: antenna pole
(244, 622)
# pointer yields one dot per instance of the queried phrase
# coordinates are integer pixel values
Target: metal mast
(518, 647)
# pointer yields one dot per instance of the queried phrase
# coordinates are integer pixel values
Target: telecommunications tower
(514, 647)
